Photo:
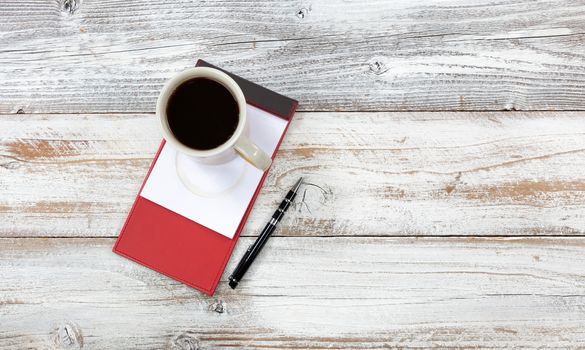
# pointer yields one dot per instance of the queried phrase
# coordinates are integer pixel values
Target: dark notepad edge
(259, 96)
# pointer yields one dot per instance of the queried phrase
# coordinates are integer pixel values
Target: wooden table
(448, 137)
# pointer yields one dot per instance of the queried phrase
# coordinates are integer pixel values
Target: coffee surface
(202, 114)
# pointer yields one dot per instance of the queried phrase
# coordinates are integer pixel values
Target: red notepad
(178, 247)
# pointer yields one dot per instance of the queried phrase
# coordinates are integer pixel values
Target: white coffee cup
(237, 144)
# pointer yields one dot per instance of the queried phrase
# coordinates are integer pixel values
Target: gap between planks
(300, 110)
(276, 235)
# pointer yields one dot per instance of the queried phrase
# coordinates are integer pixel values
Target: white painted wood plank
(383, 173)
(302, 293)
(108, 56)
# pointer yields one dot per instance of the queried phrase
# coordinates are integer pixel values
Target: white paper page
(215, 196)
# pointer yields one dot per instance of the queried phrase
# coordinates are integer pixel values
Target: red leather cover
(178, 247)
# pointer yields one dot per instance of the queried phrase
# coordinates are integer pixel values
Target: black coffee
(202, 114)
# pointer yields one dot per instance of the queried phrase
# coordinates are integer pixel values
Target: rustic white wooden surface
(113, 56)
(381, 173)
(308, 293)
(433, 228)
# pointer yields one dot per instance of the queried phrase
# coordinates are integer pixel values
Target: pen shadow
(303, 203)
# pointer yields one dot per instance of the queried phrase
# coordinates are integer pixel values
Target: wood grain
(380, 174)
(78, 84)
(304, 293)
(113, 56)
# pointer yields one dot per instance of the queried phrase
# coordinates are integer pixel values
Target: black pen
(257, 246)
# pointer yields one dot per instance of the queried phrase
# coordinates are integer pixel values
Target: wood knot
(11, 165)
(378, 65)
(68, 336)
(303, 12)
(510, 107)
(453, 185)
(185, 341)
(218, 306)
(70, 6)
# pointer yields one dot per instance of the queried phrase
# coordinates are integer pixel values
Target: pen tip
(298, 184)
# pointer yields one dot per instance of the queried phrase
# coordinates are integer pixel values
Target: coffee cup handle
(252, 153)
